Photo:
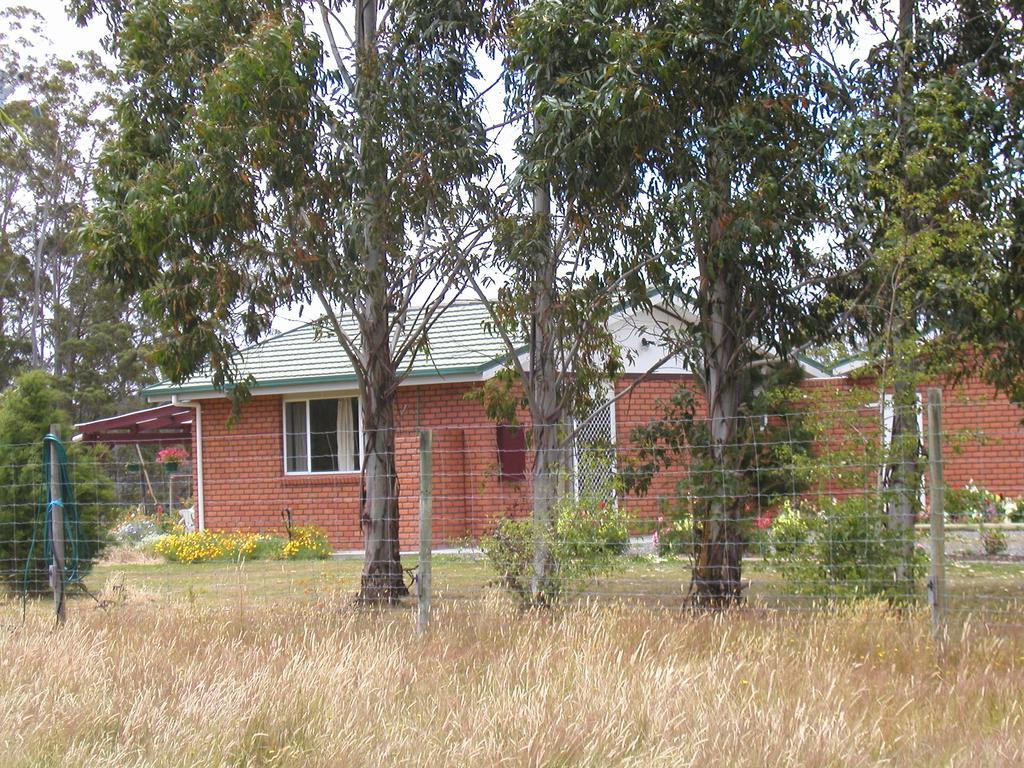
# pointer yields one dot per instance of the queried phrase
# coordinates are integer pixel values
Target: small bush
(677, 538)
(133, 528)
(993, 541)
(587, 540)
(848, 552)
(307, 542)
(973, 503)
(210, 546)
(509, 550)
(1013, 510)
(589, 529)
(789, 530)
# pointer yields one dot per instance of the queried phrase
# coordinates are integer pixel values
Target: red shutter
(511, 452)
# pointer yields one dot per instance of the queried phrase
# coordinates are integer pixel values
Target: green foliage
(714, 119)
(844, 550)
(501, 397)
(26, 411)
(589, 534)
(972, 503)
(86, 334)
(789, 530)
(931, 184)
(675, 538)
(993, 541)
(588, 540)
(509, 551)
(252, 168)
(307, 542)
(772, 456)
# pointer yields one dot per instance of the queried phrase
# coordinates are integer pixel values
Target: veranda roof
(163, 424)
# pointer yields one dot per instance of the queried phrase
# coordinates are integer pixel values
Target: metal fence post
(426, 526)
(56, 508)
(936, 498)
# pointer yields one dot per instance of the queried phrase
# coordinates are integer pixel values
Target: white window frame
(305, 398)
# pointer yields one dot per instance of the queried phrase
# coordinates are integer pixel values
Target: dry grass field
(158, 680)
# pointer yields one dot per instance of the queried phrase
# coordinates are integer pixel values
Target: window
(321, 435)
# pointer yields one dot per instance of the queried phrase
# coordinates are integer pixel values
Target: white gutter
(198, 425)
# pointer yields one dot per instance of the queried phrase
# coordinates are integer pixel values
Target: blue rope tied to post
(66, 501)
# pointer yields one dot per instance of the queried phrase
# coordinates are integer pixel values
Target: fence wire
(802, 508)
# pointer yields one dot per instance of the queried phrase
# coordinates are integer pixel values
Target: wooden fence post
(426, 529)
(937, 507)
(56, 507)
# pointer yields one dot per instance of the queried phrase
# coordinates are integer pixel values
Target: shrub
(307, 542)
(590, 529)
(211, 546)
(132, 528)
(1013, 510)
(509, 550)
(587, 539)
(789, 530)
(26, 411)
(973, 503)
(676, 538)
(848, 552)
(993, 541)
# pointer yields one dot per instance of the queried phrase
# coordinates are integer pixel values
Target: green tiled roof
(457, 344)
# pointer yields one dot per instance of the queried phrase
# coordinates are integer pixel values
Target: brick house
(296, 446)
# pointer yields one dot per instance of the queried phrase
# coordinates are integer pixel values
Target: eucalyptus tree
(973, 50)
(925, 175)
(558, 262)
(54, 313)
(725, 110)
(273, 152)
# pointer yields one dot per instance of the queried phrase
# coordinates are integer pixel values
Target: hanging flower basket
(170, 458)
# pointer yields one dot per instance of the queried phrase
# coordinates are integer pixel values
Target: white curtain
(346, 436)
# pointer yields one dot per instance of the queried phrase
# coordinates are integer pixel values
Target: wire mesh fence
(795, 509)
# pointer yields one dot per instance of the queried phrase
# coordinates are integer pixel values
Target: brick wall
(646, 401)
(247, 489)
(984, 438)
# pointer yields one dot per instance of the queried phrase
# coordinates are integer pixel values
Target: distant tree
(54, 312)
(263, 160)
(557, 263)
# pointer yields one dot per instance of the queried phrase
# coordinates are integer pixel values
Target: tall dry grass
(148, 684)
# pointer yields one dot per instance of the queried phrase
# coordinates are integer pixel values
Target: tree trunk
(382, 580)
(546, 408)
(715, 581)
(905, 474)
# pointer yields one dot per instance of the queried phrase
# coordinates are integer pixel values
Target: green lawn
(990, 588)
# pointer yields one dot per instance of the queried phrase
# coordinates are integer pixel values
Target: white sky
(64, 36)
